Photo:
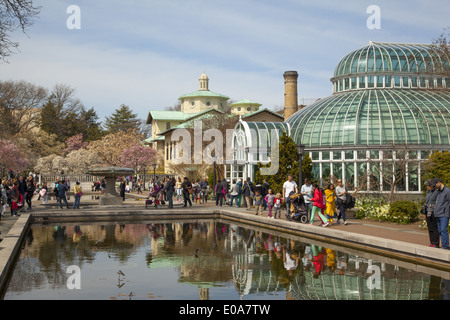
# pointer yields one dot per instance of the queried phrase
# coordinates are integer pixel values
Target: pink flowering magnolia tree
(11, 157)
(138, 155)
(75, 143)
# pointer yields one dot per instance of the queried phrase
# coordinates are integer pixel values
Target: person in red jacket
(318, 206)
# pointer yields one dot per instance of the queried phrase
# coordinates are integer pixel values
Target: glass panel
(337, 170)
(337, 155)
(412, 155)
(349, 155)
(405, 82)
(424, 154)
(387, 176)
(325, 156)
(315, 155)
(422, 82)
(374, 155)
(374, 177)
(326, 170)
(370, 59)
(363, 123)
(354, 83)
(370, 81)
(362, 176)
(346, 83)
(388, 82)
(324, 130)
(380, 81)
(401, 184)
(350, 176)
(387, 154)
(386, 120)
(413, 177)
(361, 155)
(362, 82)
(394, 59)
(413, 82)
(315, 172)
(439, 82)
(339, 121)
(397, 81)
(362, 61)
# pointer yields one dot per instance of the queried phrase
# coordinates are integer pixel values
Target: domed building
(390, 103)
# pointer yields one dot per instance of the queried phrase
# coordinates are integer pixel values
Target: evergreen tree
(91, 128)
(121, 120)
(437, 166)
(288, 164)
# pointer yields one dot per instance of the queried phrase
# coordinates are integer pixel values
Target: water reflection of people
(331, 259)
(290, 258)
(307, 258)
(318, 259)
(76, 234)
(342, 263)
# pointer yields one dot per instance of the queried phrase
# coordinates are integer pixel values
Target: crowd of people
(16, 192)
(329, 205)
(253, 196)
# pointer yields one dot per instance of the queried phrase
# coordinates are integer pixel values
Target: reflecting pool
(197, 260)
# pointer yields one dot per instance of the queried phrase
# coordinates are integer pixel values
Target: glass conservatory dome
(373, 102)
(393, 65)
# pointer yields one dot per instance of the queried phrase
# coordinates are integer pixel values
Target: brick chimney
(290, 94)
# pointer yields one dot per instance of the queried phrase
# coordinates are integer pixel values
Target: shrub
(369, 207)
(403, 212)
(376, 208)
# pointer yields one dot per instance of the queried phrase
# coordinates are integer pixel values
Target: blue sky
(148, 53)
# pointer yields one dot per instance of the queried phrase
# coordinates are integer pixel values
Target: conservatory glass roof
(375, 117)
(394, 57)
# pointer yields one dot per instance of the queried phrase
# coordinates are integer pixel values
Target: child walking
(277, 205)
(270, 197)
(258, 201)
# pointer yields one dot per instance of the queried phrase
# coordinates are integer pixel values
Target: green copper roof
(203, 93)
(151, 140)
(245, 102)
(169, 115)
(188, 123)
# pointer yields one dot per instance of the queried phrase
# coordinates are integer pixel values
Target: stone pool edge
(11, 244)
(10, 247)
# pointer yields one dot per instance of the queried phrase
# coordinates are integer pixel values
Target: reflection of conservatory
(390, 102)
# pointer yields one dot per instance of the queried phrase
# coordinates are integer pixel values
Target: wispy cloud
(148, 53)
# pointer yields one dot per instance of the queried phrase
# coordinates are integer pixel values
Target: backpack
(324, 199)
(350, 201)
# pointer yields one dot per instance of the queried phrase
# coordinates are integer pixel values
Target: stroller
(154, 197)
(299, 213)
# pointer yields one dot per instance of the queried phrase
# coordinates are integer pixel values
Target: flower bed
(376, 208)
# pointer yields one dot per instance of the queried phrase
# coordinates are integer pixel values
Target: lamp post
(300, 150)
(136, 169)
(145, 171)
(214, 178)
(154, 171)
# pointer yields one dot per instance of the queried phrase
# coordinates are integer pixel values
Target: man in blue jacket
(62, 189)
(442, 210)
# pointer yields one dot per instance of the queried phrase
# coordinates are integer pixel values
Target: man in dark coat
(186, 186)
(247, 190)
(169, 188)
(62, 189)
